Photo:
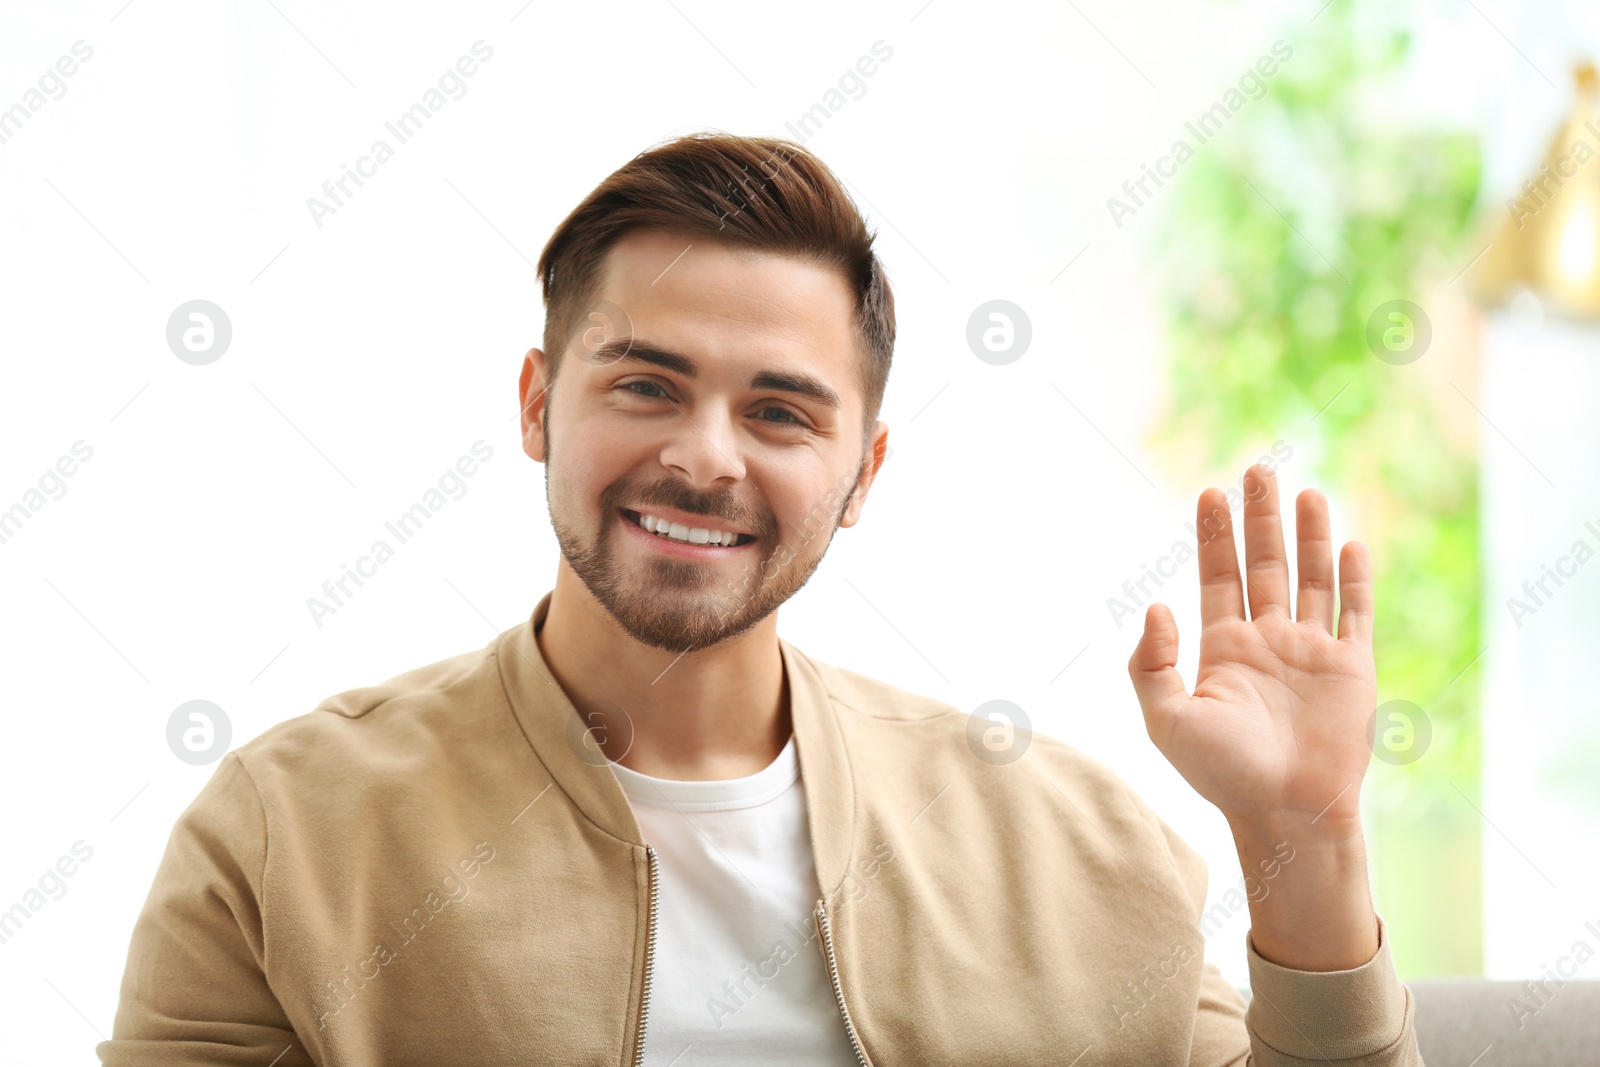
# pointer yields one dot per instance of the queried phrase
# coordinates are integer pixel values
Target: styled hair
(756, 193)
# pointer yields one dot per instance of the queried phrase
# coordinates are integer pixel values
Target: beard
(675, 604)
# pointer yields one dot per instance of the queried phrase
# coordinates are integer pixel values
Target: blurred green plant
(1315, 205)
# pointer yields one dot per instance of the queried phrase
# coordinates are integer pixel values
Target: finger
(1355, 593)
(1153, 668)
(1314, 558)
(1220, 598)
(1266, 567)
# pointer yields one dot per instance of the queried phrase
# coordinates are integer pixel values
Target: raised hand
(1275, 732)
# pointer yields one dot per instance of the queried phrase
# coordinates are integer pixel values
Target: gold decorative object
(1549, 241)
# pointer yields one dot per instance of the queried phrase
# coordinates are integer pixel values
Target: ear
(533, 393)
(877, 452)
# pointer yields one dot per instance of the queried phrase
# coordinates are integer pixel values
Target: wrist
(1260, 831)
(1310, 904)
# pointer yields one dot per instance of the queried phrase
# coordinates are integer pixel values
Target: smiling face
(724, 399)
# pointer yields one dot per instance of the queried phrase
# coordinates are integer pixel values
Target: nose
(704, 449)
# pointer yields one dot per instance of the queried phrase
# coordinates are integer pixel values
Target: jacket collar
(556, 731)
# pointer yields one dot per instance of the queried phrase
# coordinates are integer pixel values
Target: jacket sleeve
(1362, 1017)
(194, 990)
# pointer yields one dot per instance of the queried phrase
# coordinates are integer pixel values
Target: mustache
(720, 509)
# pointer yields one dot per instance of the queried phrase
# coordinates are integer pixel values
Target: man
(640, 828)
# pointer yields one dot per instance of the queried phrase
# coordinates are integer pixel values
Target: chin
(674, 605)
(680, 629)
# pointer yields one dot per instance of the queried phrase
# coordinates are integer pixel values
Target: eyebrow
(636, 351)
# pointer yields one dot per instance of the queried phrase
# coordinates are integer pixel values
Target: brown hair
(756, 193)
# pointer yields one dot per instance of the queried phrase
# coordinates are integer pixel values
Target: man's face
(717, 391)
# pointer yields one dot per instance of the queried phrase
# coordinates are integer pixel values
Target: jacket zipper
(649, 960)
(838, 990)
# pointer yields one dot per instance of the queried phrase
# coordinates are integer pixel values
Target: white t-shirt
(739, 974)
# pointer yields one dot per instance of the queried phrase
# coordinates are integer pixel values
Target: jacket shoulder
(402, 718)
(871, 697)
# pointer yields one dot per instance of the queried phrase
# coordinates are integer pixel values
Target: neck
(705, 715)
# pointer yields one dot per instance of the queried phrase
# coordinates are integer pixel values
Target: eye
(659, 394)
(787, 417)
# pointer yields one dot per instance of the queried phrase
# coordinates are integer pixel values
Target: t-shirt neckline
(766, 784)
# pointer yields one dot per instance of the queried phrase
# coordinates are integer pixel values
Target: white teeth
(677, 531)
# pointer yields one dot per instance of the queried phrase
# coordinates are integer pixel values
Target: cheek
(805, 510)
(589, 457)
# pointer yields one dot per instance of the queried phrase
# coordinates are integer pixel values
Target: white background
(369, 353)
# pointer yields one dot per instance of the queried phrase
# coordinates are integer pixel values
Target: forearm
(1314, 911)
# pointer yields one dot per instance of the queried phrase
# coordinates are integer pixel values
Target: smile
(687, 535)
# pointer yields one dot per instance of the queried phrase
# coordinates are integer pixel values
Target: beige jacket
(436, 870)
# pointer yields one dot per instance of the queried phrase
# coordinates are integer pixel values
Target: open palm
(1277, 723)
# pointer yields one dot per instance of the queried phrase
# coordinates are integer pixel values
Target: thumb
(1153, 668)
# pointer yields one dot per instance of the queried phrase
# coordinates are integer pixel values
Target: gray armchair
(1501, 1024)
(1473, 1022)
